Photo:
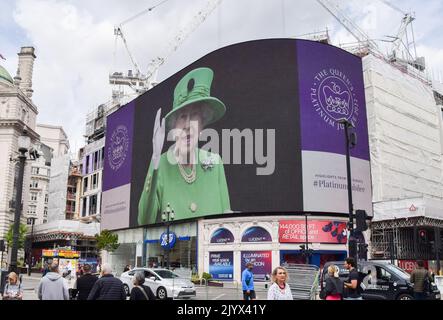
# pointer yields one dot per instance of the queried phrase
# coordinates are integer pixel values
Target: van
(380, 281)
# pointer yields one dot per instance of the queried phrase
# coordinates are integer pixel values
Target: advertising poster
(222, 235)
(251, 127)
(322, 231)
(256, 234)
(221, 265)
(262, 261)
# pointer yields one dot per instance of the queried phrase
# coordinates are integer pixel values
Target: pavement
(229, 291)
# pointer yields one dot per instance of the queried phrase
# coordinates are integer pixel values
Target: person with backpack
(333, 289)
(140, 291)
(421, 279)
(13, 290)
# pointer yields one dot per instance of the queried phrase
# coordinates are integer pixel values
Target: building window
(46, 198)
(34, 183)
(33, 196)
(93, 204)
(31, 210)
(94, 181)
(87, 164)
(45, 221)
(102, 157)
(45, 212)
(85, 184)
(84, 208)
(29, 221)
(95, 159)
(35, 170)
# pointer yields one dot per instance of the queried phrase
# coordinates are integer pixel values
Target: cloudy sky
(76, 50)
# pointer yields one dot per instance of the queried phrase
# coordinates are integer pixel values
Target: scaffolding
(397, 239)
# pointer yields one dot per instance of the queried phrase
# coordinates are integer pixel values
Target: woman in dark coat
(333, 289)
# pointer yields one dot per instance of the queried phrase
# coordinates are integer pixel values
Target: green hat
(194, 87)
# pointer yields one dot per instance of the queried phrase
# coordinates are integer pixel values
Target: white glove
(158, 139)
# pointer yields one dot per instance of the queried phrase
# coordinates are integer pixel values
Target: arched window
(222, 235)
(256, 234)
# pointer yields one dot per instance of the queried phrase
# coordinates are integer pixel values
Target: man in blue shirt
(247, 280)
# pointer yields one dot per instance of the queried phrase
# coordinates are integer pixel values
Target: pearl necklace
(189, 178)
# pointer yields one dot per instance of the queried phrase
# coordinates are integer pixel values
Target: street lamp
(30, 246)
(167, 217)
(24, 143)
(350, 142)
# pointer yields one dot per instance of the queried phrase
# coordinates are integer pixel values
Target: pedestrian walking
(84, 284)
(247, 280)
(333, 289)
(13, 290)
(107, 287)
(45, 269)
(280, 290)
(352, 285)
(140, 291)
(53, 286)
(420, 277)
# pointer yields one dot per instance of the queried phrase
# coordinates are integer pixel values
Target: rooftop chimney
(26, 59)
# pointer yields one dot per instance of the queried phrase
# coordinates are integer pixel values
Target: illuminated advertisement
(222, 235)
(252, 127)
(221, 265)
(294, 231)
(256, 234)
(262, 261)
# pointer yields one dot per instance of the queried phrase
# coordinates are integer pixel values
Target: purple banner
(118, 147)
(262, 261)
(221, 265)
(331, 88)
(222, 235)
(256, 234)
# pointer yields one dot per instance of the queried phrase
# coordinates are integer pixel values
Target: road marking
(219, 296)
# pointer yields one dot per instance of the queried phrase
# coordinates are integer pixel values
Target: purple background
(222, 272)
(222, 234)
(256, 232)
(259, 271)
(123, 116)
(316, 135)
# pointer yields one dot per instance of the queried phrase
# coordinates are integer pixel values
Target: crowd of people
(53, 285)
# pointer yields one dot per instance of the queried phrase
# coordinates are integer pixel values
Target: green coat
(207, 195)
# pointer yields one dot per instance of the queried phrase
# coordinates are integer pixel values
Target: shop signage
(221, 265)
(164, 240)
(321, 231)
(256, 234)
(410, 265)
(222, 235)
(262, 261)
(69, 254)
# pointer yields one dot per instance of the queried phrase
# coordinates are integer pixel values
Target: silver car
(163, 283)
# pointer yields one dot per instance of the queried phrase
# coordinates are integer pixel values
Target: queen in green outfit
(190, 179)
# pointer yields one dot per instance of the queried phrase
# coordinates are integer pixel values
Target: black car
(381, 281)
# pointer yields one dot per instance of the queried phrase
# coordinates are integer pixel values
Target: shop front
(182, 247)
(227, 244)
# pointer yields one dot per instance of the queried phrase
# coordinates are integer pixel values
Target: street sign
(164, 240)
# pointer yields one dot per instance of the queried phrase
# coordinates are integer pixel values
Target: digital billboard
(252, 127)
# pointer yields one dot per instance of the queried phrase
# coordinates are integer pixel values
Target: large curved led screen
(252, 127)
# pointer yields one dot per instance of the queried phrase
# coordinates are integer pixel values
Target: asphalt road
(228, 292)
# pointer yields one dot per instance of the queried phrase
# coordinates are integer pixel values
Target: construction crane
(133, 80)
(349, 25)
(141, 82)
(403, 33)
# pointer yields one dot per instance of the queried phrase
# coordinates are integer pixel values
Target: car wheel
(161, 293)
(405, 296)
(126, 288)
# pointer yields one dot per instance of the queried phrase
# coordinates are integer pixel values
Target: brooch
(207, 163)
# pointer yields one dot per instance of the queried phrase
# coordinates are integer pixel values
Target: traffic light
(360, 217)
(422, 236)
(363, 251)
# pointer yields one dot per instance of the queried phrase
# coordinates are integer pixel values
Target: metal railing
(303, 280)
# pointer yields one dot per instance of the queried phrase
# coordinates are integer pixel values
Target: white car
(163, 283)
